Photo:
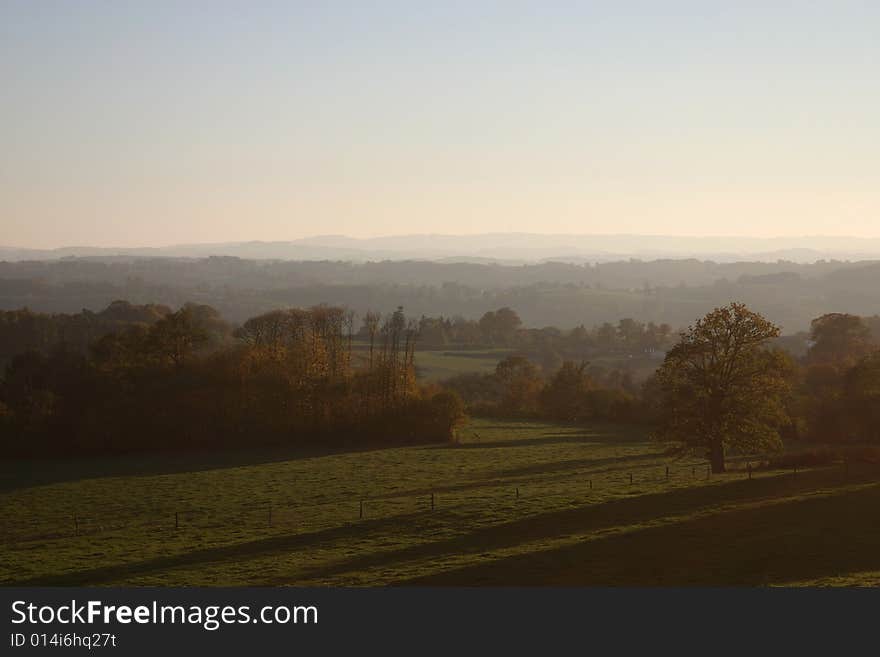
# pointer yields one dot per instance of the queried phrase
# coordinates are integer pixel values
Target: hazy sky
(148, 123)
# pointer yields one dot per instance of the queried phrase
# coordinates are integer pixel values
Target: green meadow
(435, 365)
(511, 503)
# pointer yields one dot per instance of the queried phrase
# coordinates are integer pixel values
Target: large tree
(722, 388)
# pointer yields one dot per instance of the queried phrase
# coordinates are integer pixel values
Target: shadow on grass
(549, 471)
(823, 535)
(259, 548)
(24, 473)
(607, 515)
(577, 464)
(805, 538)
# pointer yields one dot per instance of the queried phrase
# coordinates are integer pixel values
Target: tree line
(145, 377)
(187, 380)
(24, 330)
(504, 328)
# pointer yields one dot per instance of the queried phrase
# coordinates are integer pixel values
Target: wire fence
(579, 487)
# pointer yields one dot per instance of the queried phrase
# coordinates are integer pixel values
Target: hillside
(513, 503)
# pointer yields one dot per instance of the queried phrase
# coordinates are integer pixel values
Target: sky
(155, 123)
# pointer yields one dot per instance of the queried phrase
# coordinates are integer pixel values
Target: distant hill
(508, 248)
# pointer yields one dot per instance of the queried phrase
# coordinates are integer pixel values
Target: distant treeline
(504, 328)
(243, 273)
(550, 347)
(564, 295)
(186, 381)
(24, 330)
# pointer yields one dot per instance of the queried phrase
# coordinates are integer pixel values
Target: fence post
(517, 492)
(591, 484)
(630, 477)
(362, 510)
(693, 471)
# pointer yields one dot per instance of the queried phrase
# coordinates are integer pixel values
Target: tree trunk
(716, 456)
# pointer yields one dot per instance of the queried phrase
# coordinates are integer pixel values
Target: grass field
(514, 503)
(440, 364)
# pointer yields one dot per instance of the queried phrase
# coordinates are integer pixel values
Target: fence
(346, 511)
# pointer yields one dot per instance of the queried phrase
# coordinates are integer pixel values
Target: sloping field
(513, 503)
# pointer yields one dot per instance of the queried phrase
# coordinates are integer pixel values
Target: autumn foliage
(288, 377)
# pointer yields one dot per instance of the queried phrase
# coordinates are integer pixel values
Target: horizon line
(312, 237)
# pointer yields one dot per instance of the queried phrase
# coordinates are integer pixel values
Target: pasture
(438, 364)
(512, 503)
(433, 365)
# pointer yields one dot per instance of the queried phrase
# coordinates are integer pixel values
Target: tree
(432, 330)
(177, 335)
(268, 332)
(862, 395)
(630, 331)
(721, 388)
(563, 398)
(447, 413)
(520, 384)
(839, 338)
(606, 336)
(500, 326)
(371, 328)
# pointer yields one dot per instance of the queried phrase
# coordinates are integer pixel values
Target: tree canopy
(721, 388)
